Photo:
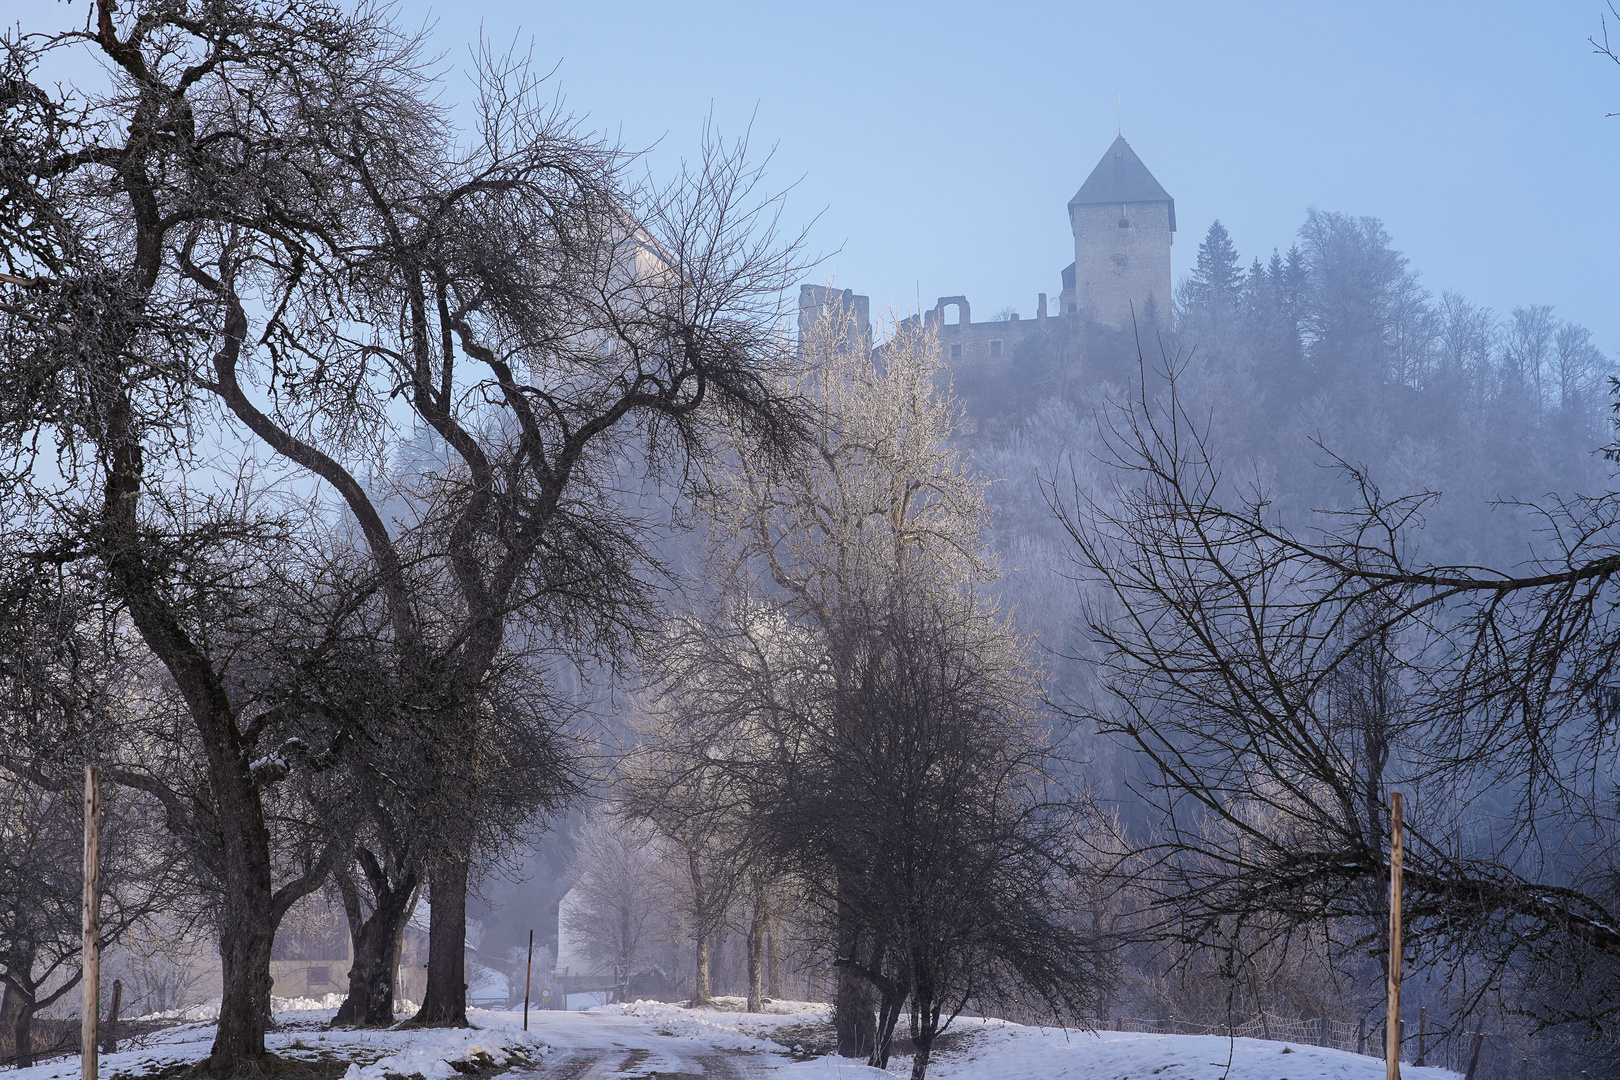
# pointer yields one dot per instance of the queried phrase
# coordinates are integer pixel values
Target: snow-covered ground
(650, 1039)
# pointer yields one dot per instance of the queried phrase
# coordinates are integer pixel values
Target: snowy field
(648, 1040)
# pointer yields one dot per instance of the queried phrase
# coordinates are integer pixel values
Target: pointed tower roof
(1120, 177)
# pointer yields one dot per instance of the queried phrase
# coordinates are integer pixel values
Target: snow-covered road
(597, 1045)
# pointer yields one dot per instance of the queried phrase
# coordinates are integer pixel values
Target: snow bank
(494, 1037)
(997, 1051)
(673, 1039)
(719, 1027)
(302, 1031)
(208, 1010)
(300, 1004)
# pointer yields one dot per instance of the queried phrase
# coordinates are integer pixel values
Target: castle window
(995, 348)
(320, 976)
(1124, 223)
(956, 352)
(1073, 308)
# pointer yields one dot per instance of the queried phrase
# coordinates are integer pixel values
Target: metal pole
(90, 943)
(1392, 1026)
(528, 972)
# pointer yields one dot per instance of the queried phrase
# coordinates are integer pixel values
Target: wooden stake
(109, 1030)
(91, 942)
(1392, 1025)
(1473, 1055)
(1423, 1037)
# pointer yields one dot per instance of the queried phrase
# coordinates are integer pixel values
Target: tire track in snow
(634, 1065)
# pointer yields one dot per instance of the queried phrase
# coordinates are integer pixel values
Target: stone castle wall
(968, 344)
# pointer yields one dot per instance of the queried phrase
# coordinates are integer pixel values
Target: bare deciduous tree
(1279, 680)
(623, 913)
(266, 218)
(41, 847)
(853, 697)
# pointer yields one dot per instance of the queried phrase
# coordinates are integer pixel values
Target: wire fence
(1262, 1026)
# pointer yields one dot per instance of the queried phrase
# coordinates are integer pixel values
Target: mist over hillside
(456, 557)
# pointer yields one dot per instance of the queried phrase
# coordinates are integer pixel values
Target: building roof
(1120, 177)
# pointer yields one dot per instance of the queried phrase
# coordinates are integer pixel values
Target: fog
(1178, 436)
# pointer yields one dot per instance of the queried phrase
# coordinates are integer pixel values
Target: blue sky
(941, 141)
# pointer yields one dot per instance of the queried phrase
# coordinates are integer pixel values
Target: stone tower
(1124, 223)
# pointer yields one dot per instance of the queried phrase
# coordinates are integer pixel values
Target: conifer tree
(1218, 280)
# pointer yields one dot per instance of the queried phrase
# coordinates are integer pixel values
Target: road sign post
(528, 974)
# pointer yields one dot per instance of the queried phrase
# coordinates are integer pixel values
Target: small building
(311, 955)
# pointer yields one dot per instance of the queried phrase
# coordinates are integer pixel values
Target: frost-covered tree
(623, 911)
(874, 712)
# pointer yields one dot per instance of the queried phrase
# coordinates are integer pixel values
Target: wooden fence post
(1423, 1036)
(1392, 1026)
(90, 942)
(1473, 1055)
(109, 1030)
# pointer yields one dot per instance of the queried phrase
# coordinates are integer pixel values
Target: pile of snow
(430, 1051)
(719, 1027)
(207, 1010)
(300, 1004)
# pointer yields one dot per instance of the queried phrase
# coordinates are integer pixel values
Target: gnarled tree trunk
(376, 940)
(247, 912)
(854, 1015)
(17, 1021)
(854, 1001)
(22, 1030)
(446, 999)
(247, 929)
(9, 1004)
(925, 1012)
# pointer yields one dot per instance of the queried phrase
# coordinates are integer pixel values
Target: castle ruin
(1123, 222)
